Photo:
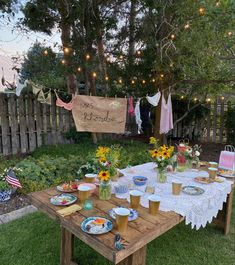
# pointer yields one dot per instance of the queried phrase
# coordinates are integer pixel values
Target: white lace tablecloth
(197, 209)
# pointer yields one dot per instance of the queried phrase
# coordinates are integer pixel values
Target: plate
(96, 225)
(133, 214)
(192, 190)
(68, 188)
(202, 180)
(226, 173)
(63, 199)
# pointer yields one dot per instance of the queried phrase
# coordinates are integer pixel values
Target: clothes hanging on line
(43, 99)
(62, 104)
(166, 120)
(20, 86)
(131, 109)
(154, 100)
(138, 116)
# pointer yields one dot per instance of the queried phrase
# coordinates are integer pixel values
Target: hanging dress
(154, 100)
(137, 116)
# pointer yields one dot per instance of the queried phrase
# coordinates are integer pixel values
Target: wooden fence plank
(54, 122)
(39, 123)
(6, 150)
(22, 124)
(44, 124)
(13, 124)
(31, 124)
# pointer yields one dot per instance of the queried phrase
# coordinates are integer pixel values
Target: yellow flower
(166, 154)
(104, 175)
(102, 151)
(102, 159)
(154, 153)
(152, 140)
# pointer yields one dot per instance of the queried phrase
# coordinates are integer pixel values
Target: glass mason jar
(114, 174)
(161, 175)
(105, 190)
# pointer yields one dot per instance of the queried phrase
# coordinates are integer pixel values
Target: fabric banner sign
(99, 114)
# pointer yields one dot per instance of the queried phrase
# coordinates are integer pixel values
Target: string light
(88, 57)
(66, 50)
(94, 74)
(172, 36)
(201, 11)
(222, 98)
(132, 82)
(161, 75)
(63, 61)
(121, 57)
(106, 78)
(187, 26)
(79, 69)
(153, 80)
(139, 52)
(230, 33)
(182, 97)
(120, 81)
(195, 99)
(143, 82)
(208, 100)
(171, 64)
(217, 3)
(45, 52)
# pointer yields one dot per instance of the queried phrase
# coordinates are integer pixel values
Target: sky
(14, 42)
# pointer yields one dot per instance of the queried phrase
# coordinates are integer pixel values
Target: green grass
(35, 240)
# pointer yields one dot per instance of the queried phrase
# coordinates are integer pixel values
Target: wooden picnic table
(139, 233)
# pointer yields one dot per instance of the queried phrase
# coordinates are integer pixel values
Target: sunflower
(154, 153)
(102, 151)
(103, 159)
(152, 140)
(104, 175)
(166, 154)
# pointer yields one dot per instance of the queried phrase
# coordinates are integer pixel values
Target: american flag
(12, 179)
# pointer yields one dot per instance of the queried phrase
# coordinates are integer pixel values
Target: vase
(114, 174)
(181, 167)
(189, 164)
(105, 190)
(161, 175)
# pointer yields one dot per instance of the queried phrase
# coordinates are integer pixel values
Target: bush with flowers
(163, 156)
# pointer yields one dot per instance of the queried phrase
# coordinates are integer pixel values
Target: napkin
(69, 210)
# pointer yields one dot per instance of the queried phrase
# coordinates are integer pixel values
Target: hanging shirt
(166, 120)
(154, 100)
(131, 109)
(137, 116)
(20, 86)
(62, 104)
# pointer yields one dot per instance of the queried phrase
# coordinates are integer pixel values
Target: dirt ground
(211, 152)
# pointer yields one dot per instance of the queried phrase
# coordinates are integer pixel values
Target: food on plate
(98, 221)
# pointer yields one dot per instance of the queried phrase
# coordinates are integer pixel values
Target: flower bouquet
(186, 155)
(108, 159)
(163, 156)
(105, 186)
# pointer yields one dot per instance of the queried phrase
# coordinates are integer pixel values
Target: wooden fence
(25, 124)
(210, 128)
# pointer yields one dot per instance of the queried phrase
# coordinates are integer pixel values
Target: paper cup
(212, 173)
(213, 164)
(176, 187)
(90, 178)
(83, 193)
(154, 203)
(122, 219)
(135, 196)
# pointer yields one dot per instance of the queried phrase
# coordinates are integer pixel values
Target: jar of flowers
(108, 159)
(163, 156)
(105, 185)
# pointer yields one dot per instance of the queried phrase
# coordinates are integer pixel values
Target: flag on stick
(12, 179)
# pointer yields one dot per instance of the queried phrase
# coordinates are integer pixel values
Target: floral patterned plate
(133, 214)
(63, 199)
(96, 225)
(192, 190)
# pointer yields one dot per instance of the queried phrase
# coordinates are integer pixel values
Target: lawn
(35, 239)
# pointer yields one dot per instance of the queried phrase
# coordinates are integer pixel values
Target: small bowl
(140, 180)
(121, 189)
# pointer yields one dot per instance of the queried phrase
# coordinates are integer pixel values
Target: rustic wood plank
(5, 124)
(66, 247)
(13, 124)
(44, 124)
(53, 121)
(31, 124)
(38, 123)
(22, 124)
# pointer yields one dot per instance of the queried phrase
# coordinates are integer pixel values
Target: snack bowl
(140, 180)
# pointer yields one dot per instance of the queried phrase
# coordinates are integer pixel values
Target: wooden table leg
(223, 218)
(137, 258)
(66, 247)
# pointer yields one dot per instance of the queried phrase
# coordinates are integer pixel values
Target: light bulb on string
(120, 81)
(79, 69)
(182, 97)
(66, 50)
(153, 80)
(230, 33)
(208, 100)
(138, 52)
(63, 61)
(217, 3)
(171, 64)
(121, 57)
(201, 11)
(106, 78)
(222, 98)
(94, 74)
(161, 75)
(195, 99)
(132, 82)
(88, 57)
(143, 82)
(172, 36)
(187, 26)
(45, 52)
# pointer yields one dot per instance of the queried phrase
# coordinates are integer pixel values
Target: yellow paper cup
(154, 204)
(122, 219)
(90, 178)
(212, 173)
(176, 187)
(213, 164)
(83, 193)
(135, 196)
